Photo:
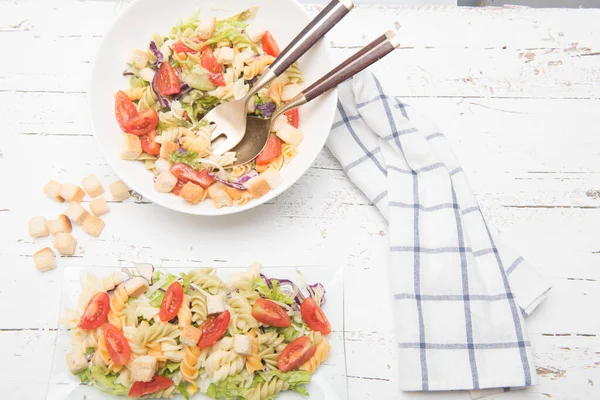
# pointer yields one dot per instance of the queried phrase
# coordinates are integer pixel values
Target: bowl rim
(215, 212)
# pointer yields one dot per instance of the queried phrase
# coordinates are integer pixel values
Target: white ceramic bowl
(134, 29)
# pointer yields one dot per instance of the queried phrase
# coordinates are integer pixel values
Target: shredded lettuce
(238, 20)
(289, 333)
(187, 158)
(234, 36)
(198, 78)
(201, 105)
(272, 294)
(106, 382)
(84, 376)
(186, 282)
(136, 81)
(296, 379)
(169, 370)
(230, 389)
(183, 391)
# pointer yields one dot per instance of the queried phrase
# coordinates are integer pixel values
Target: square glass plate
(329, 382)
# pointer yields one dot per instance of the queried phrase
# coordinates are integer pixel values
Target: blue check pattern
(460, 295)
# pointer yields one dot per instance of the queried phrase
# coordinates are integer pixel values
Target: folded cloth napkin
(460, 295)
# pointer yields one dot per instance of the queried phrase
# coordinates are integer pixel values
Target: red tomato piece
(213, 329)
(272, 149)
(167, 81)
(96, 311)
(217, 79)
(293, 117)
(124, 109)
(295, 354)
(171, 302)
(270, 45)
(185, 173)
(142, 124)
(270, 313)
(180, 47)
(209, 61)
(116, 344)
(177, 189)
(314, 317)
(149, 145)
(157, 384)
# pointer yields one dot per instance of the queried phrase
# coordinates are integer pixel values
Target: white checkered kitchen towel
(460, 296)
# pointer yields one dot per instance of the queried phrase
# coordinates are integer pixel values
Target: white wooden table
(517, 91)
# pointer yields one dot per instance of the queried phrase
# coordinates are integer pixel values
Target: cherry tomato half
(185, 173)
(180, 47)
(314, 317)
(270, 313)
(167, 81)
(293, 117)
(171, 302)
(272, 149)
(124, 109)
(270, 45)
(177, 188)
(295, 354)
(209, 61)
(117, 344)
(213, 329)
(143, 123)
(149, 145)
(157, 383)
(96, 312)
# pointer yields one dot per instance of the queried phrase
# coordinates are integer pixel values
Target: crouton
(132, 147)
(92, 186)
(165, 182)
(44, 260)
(290, 135)
(192, 193)
(219, 196)
(273, 177)
(119, 191)
(167, 148)
(143, 368)
(38, 227)
(163, 165)
(93, 225)
(216, 303)
(136, 287)
(190, 335)
(255, 32)
(76, 213)
(61, 224)
(206, 27)
(242, 345)
(76, 362)
(234, 193)
(52, 189)
(258, 186)
(71, 192)
(65, 243)
(98, 206)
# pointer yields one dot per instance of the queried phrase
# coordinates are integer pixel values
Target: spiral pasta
(243, 281)
(117, 304)
(156, 333)
(199, 310)
(276, 164)
(293, 74)
(276, 89)
(240, 170)
(288, 151)
(253, 361)
(272, 340)
(135, 93)
(244, 198)
(113, 279)
(206, 279)
(130, 333)
(221, 364)
(318, 358)
(256, 65)
(189, 365)
(267, 390)
(198, 144)
(147, 100)
(173, 135)
(184, 315)
(241, 314)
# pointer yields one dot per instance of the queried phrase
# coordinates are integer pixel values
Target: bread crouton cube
(38, 227)
(65, 243)
(44, 260)
(61, 224)
(92, 186)
(76, 213)
(52, 189)
(119, 191)
(234, 193)
(273, 177)
(136, 286)
(219, 196)
(165, 182)
(216, 303)
(206, 27)
(71, 193)
(132, 147)
(242, 345)
(258, 186)
(290, 135)
(93, 225)
(192, 193)
(98, 206)
(167, 148)
(190, 335)
(143, 368)
(76, 362)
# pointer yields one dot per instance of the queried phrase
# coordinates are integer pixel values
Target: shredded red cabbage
(183, 90)
(182, 150)
(157, 53)
(315, 291)
(128, 73)
(266, 109)
(225, 182)
(251, 174)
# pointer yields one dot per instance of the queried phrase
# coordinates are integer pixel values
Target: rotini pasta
(117, 304)
(189, 365)
(147, 100)
(172, 135)
(288, 151)
(199, 144)
(199, 310)
(267, 390)
(241, 314)
(318, 358)
(207, 279)
(221, 364)
(256, 65)
(240, 170)
(276, 164)
(253, 361)
(156, 333)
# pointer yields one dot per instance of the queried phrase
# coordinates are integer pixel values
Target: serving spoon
(229, 118)
(258, 129)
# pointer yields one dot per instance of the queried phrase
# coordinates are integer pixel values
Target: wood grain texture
(520, 109)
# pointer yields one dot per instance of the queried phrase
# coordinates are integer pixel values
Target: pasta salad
(181, 76)
(148, 333)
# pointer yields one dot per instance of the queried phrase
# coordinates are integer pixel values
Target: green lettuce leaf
(296, 379)
(289, 333)
(201, 105)
(230, 389)
(136, 81)
(198, 78)
(84, 376)
(106, 382)
(183, 391)
(272, 294)
(233, 35)
(187, 158)
(238, 20)
(186, 282)
(169, 370)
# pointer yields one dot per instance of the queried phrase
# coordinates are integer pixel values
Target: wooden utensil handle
(315, 30)
(369, 54)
